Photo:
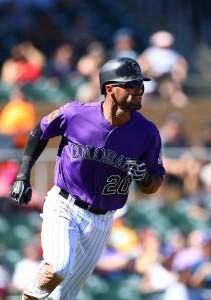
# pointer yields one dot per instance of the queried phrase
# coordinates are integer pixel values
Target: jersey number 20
(115, 184)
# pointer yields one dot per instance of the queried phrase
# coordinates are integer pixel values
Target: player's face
(128, 95)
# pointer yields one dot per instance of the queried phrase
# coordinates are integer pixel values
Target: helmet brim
(130, 78)
(142, 77)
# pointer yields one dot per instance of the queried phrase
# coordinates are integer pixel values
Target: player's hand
(21, 191)
(137, 170)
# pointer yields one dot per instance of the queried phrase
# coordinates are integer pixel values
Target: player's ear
(109, 89)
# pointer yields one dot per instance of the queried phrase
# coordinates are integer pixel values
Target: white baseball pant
(72, 240)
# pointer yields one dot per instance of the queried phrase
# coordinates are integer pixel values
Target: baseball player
(104, 146)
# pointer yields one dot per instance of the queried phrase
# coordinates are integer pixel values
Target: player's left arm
(148, 171)
(148, 182)
(152, 184)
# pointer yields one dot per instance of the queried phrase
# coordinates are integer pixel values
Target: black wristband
(147, 180)
(34, 147)
(25, 168)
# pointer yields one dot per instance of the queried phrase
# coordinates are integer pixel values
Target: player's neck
(114, 115)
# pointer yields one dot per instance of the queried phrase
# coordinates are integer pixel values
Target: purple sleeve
(54, 124)
(153, 154)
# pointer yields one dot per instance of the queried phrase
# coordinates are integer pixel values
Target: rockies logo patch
(53, 115)
(136, 67)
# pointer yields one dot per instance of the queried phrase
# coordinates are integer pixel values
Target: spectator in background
(184, 170)
(166, 67)
(93, 59)
(88, 91)
(149, 263)
(61, 65)
(173, 135)
(60, 69)
(185, 262)
(182, 165)
(200, 201)
(123, 237)
(113, 264)
(97, 50)
(88, 67)
(17, 118)
(124, 44)
(24, 66)
(173, 132)
(191, 254)
(26, 267)
(175, 241)
(200, 278)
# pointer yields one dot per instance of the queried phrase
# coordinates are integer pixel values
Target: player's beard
(136, 102)
(130, 106)
(136, 106)
(127, 103)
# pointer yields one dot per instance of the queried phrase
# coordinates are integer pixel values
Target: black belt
(84, 205)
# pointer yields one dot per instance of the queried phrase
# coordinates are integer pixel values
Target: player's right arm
(21, 190)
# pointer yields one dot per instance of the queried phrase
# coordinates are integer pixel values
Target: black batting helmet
(122, 69)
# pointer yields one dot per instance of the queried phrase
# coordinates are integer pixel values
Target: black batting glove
(137, 170)
(21, 191)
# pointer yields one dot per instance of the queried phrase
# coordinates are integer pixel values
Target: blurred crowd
(55, 53)
(175, 264)
(72, 77)
(165, 247)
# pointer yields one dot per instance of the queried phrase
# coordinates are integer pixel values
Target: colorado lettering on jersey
(107, 156)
